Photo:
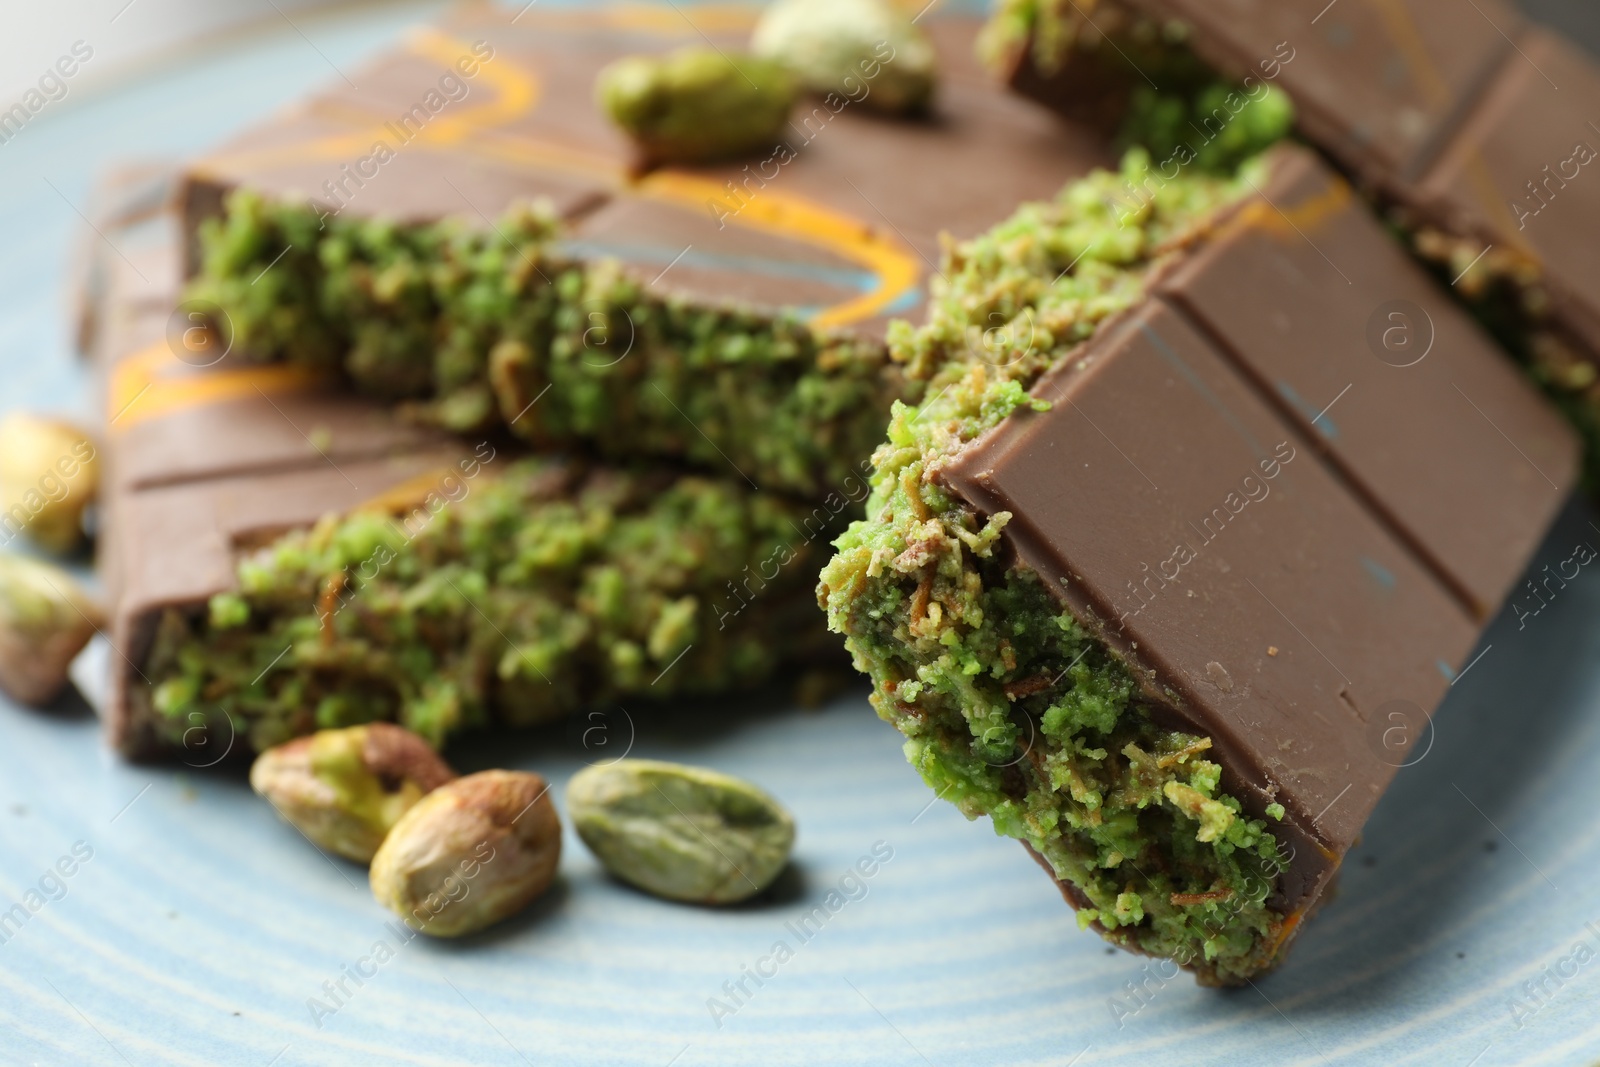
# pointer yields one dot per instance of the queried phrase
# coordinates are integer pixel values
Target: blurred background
(132, 36)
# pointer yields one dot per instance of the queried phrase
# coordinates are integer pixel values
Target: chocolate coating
(1302, 290)
(1276, 586)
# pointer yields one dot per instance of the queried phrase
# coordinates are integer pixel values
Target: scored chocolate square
(1409, 405)
(1243, 515)
(1274, 612)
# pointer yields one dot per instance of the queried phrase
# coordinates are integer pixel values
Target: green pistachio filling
(537, 594)
(482, 329)
(1010, 707)
(1193, 118)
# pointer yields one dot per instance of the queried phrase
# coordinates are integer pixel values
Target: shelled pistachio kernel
(684, 833)
(49, 473)
(868, 52)
(45, 620)
(698, 104)
(346, 789)
(470, 854)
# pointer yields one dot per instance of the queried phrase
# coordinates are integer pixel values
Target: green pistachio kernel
(684, 833)
(473, 852)
(45, 620)
(866, 51)
(698, 104)
(346, 789)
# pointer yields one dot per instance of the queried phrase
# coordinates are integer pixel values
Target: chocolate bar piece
(1471, 129)
(213, 462)
(1171, 604)
(124, 198)
(281, 555)
(731, 316)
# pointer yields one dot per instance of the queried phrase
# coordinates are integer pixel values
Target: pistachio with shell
(470, 854)
(45, 620)
(346, 789)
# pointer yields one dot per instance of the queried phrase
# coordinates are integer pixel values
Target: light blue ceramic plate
(200, 930)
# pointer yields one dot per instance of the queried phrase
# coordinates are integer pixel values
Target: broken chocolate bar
(729, 316)
(1470, 129)
(1150, 592)
(282, 556)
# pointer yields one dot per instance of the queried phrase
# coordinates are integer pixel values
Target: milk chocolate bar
(1470, 129)
(281, 555)
(729, 316)
(1169, 586)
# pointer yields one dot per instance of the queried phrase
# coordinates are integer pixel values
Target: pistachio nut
(49, 473)
(345, 789)
(867, 52)
(698, 104)
(684, 833)
(471, 853)
(45, 620)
